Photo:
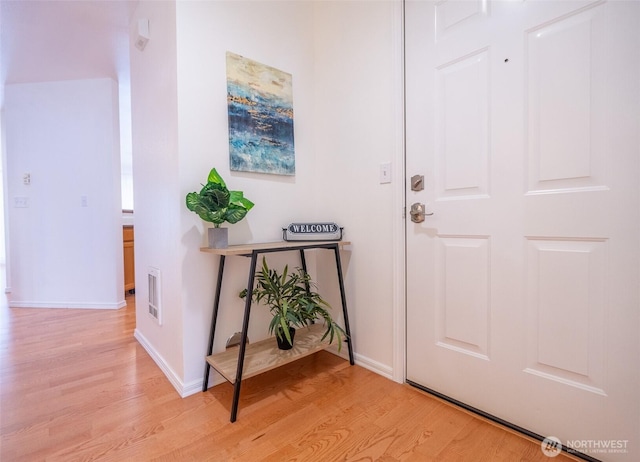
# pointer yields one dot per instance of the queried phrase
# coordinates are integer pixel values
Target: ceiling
(49, 40)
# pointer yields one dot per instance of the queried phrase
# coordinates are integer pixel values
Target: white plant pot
(218, 238)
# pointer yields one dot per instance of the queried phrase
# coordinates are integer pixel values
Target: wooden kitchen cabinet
(129, 264)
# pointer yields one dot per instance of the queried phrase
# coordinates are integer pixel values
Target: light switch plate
(21, 202)
(385, 172)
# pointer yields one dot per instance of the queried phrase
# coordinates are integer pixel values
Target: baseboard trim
(363, 361)
(181, 388)
(67, 305)
(374, 366)
(499, 421)
(195, 386)
(161, 363)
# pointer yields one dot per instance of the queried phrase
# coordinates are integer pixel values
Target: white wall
(3, 190)
(65, 135)
(154, 120)
(280, 36)
(358, 126)
(126, 160)
(344, 127)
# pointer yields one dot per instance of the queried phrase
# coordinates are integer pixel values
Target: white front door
(523, 286)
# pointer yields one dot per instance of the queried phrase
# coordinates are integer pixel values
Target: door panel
(463, 91)
(463, 263)
(566, 311)
(523, 296)
(566, 146)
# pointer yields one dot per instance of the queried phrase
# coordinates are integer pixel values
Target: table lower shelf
(264, 355)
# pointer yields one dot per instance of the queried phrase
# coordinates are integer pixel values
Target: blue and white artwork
(260, 104)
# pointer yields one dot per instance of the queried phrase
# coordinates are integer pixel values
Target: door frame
(399, 178)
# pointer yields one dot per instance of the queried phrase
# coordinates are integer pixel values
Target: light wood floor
(75, 385)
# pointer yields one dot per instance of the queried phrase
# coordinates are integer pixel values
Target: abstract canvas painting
(260, 105)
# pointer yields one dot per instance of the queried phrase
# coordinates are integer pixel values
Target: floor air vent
(154, 295)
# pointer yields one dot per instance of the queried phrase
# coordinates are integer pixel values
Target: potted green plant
(216, 204)
(293, 302)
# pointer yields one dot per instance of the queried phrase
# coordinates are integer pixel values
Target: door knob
(417, 212)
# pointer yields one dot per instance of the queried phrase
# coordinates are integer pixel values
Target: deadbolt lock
(417, 182)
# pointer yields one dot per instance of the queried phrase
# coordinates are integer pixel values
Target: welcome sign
(312, 232)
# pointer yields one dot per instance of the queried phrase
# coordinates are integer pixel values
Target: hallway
(76, 385)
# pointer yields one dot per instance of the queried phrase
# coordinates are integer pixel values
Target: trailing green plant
(216, 204)
(293, 302)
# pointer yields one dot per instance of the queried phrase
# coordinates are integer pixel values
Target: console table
(262, 356)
